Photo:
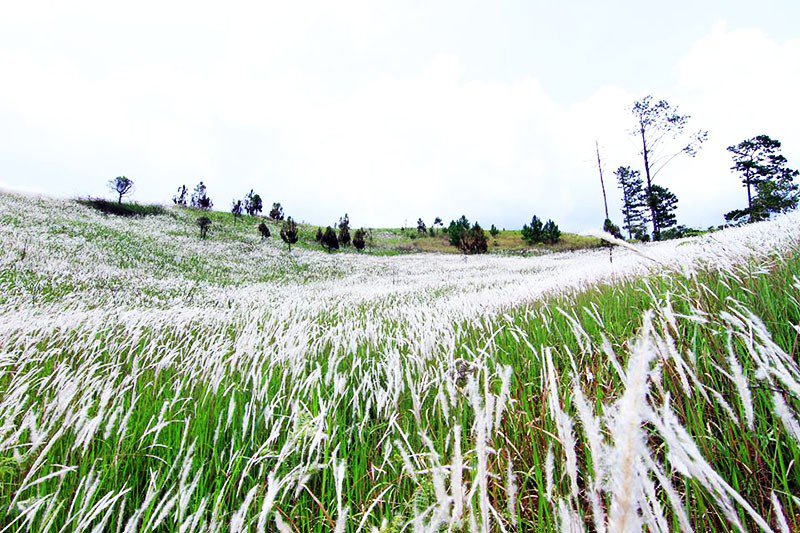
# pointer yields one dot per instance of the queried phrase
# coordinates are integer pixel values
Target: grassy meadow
(151, 381)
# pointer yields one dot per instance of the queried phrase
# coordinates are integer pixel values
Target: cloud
(386, 148)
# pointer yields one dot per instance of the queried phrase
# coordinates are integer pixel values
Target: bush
(264, 231)
(329, 239)
(493, 231)
(123, 210)
(358, 239)
(318, 236)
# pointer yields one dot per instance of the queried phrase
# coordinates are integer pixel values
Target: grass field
(153, 381)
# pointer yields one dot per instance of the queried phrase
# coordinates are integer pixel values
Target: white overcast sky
(389, 110)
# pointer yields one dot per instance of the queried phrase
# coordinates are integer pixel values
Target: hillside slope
(151, 380)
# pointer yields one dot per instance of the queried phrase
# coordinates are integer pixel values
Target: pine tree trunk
(649, 184)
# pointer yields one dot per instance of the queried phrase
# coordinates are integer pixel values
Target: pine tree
(457, 230)
(344, 230)
(634, 201)
(550, 232)
(329, 239)
(276, 213)
(289, 232)
(763, 171)
(663, 204)
(252, 203)
(533, 234)
(359, 239)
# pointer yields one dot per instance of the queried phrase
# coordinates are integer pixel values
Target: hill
(152, 380)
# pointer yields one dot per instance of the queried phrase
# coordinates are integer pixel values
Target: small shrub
(493, 231)
(359, 239)
(318, 236)
(204, 223)
(264, 231)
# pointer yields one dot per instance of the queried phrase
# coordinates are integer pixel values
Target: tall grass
(407, 393)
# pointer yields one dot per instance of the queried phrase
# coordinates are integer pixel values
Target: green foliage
(612, 229)
(662, 204)
(550, 232)
(763, 171)
(634, 201)
(421, 227)
(289, 232)
(318, 236)
(123, 210)
(493, 231)
(456, 230)
(533, 233)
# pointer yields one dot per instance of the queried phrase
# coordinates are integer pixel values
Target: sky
(387, 110)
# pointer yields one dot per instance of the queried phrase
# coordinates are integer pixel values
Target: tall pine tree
(634, 201)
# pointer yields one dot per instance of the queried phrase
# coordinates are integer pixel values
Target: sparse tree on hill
(121, 186)
(289, 232)
(550, 232)
(204, 223)
(236, 210)
(763, 171)
(318, 236)
(200, 199)
(329, 239)
(634, 201)
(533, 234)
(421, 227)
(358, 239)
(180, 196)
(344, 230)
(276, 213)
(493, 231)
(263, 229)
(662, 132)
(252, 203)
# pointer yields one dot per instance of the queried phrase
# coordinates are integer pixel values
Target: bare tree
(662, 132)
